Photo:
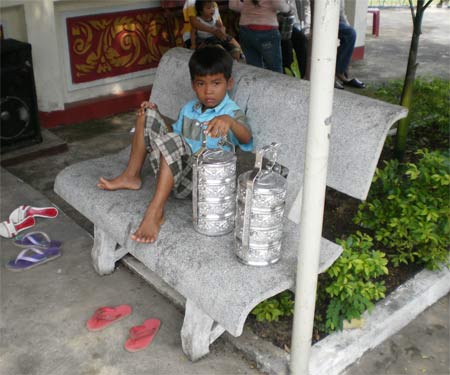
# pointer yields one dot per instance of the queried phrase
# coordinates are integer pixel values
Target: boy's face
(211, 89)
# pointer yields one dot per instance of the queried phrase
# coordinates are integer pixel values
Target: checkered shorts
(173, 148)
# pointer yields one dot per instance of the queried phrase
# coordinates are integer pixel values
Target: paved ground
(58, 343)
(44, 311)
(386, 56)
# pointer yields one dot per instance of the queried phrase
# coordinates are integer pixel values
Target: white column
(323, 63)
(41, 32)
(356, 11)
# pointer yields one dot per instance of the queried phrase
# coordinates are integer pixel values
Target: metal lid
(217, 156)
(267, 183)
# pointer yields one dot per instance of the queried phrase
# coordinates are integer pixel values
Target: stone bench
(220, 292)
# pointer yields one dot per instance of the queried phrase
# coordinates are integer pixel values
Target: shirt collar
(198, 106)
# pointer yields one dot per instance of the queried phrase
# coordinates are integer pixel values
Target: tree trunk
(407, 93)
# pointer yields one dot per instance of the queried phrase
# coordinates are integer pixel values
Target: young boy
(171, 149)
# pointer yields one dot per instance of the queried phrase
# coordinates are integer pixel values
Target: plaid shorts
(173, 148)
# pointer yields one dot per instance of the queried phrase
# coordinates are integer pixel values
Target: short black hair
(199, 4)
(210, 60)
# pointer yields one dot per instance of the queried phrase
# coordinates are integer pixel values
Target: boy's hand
(144, 106)
(219, 126)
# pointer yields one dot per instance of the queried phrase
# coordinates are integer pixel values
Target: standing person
(258, 31)
(171, 148)
(347, 39)
(207, 15)
(299, 38)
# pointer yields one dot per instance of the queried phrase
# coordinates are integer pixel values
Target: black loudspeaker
(19, 121)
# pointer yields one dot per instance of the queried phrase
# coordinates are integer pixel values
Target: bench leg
(198, 332)
(103, 252)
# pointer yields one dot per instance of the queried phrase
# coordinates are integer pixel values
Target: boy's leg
(170, 157)
(149, 228)
(130, 178)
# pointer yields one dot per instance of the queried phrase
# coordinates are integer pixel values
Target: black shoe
(338, 85)
(355, 82)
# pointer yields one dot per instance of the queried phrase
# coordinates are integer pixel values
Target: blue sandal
(37, 240)
(31, 257)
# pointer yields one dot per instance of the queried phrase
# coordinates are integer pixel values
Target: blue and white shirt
(191, 115)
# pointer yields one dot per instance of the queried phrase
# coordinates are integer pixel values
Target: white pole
(323, 62)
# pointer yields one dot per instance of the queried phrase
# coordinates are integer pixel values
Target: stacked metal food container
(260, 200)
(214, 191)
(257, 209)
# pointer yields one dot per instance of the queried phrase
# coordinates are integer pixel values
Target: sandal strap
(10, 228)
(141, 331)
(22, 255)
(33, 237)
(106, 313)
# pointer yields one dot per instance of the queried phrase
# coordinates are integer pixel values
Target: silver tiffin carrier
(213, 190)
(259, 217)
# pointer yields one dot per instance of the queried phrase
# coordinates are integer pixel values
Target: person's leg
(286, 53)
(270, 44)
(300, 45)
(130, 178)
(170, 158)
(347, 38)
(248, 40)
(149, 228)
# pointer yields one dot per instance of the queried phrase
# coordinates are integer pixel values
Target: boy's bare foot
(120, 182)
(149, 228)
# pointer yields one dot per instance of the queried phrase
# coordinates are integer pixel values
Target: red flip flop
(105, 316)
(141, 336)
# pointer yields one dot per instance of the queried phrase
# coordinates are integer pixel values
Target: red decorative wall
(111, 44)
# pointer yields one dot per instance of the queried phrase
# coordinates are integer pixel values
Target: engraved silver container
(259, 215)
(213, 191)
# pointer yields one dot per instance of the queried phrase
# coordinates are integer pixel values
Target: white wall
(40, 22)
(12, 17)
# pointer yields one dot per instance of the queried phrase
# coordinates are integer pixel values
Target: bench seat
(203, 269)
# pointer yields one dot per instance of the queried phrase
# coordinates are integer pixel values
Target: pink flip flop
(141, 336)
(22, 212)
(9, 229)
(105, 316)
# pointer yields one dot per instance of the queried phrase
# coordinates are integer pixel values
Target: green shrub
(408, 209)
(352, 287)
(429, 113)
(430, 105)
(275, 307)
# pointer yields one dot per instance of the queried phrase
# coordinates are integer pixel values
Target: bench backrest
(277, 109)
